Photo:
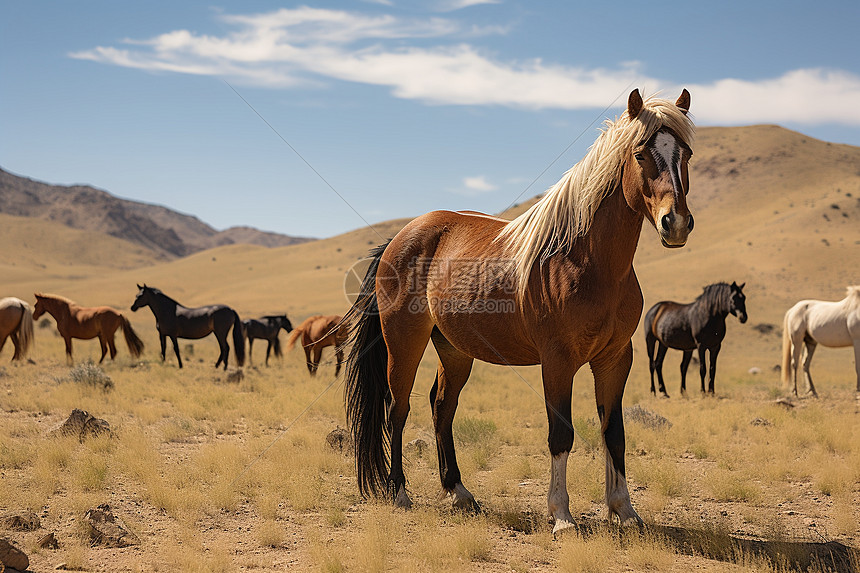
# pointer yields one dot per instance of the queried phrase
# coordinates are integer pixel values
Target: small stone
(754, 370)
(82, 424)
(760, 422)
(11, 557)
(20, 520)
(49, 542)
(417, 445)
(339, 439)
(108, 530)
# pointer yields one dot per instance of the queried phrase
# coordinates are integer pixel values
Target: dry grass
(217, 476)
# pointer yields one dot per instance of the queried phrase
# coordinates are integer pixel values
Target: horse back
(670, 323)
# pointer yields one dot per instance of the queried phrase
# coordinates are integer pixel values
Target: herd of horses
(561, 280)
(173, 321)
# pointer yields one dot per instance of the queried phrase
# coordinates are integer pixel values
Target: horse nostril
(690, 222)
(666, 221)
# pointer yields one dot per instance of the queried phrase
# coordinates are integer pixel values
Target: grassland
(215, 475)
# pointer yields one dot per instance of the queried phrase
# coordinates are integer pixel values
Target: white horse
(813, 322)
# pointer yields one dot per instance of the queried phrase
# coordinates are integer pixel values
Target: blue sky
(401, 107)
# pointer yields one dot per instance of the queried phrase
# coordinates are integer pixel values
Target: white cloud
(451, 5)
(305, 46)
(478, 184)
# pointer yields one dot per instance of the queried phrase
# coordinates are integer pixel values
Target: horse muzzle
(674, 229)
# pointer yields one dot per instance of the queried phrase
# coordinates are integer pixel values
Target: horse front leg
(176, 350)
(610, 377)
(104, 348)
(163, 340)
(703, 367)
(558, 387)
(715, 351)
(661, 356)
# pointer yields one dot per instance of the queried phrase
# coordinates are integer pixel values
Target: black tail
(238, 339)
(276, 346)
(366, 392)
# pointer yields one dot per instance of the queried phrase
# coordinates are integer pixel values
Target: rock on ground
(82, 424)
(11, 557)
(108, 530)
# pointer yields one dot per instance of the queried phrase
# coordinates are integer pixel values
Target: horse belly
(833, 333)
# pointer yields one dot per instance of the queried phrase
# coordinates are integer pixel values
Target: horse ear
(683, 102)
(734, 284)
(139, 287)
(634, 104)
(742, 286)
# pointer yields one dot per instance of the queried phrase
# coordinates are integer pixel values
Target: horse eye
(639, 157)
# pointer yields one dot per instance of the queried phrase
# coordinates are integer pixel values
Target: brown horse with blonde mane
(317, 332)
(554, 287)
(85, 323)
(16, 321)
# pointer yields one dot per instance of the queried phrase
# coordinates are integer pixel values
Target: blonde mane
(852, 295)
(567, 209)
(55, 297)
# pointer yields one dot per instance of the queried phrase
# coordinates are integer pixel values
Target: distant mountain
(164, 231)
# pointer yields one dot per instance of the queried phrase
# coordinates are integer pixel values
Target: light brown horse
(16, 321)
(554, 287)
(85, 323)
(317, 332)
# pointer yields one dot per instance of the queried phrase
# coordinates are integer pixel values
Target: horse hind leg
(315, 365)
(661, 358)
(404, 355)
(111, 346)
(451, 375)
(811, 345)
(650, 344)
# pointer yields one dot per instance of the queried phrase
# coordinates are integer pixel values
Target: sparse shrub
(470, 430)
(90, 374)
(270, 534)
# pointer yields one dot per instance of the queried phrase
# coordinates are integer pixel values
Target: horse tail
(367, 395)
(276, 346)
(25, 331)
(132, 340)
(294, 336)
(786, 351)
(238, 339)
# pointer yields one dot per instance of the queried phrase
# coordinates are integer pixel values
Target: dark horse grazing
(554, 287)
(266, 328)
(176, 321)
(699, 325)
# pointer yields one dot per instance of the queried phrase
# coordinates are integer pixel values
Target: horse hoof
(462, 500)
(561, 527)
(402, 500)
(664, 395)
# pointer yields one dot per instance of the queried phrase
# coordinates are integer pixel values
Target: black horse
(699, 325)
(266, 328)
(177, 321)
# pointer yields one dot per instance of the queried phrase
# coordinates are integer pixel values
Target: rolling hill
(165, 232)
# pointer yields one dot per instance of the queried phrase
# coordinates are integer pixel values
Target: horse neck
(611, 241)
(58, 309)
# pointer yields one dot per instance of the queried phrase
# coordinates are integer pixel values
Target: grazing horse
(554, 287)
(266, 328)
(813, 322)
(85, 323)
(16, 321)
(317, 332)
(699, 325)
(176, 321)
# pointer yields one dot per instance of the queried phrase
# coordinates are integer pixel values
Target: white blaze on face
(667, 156)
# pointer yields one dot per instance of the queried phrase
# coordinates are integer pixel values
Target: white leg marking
(558, 501)
(461, 498)
(617, 496)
